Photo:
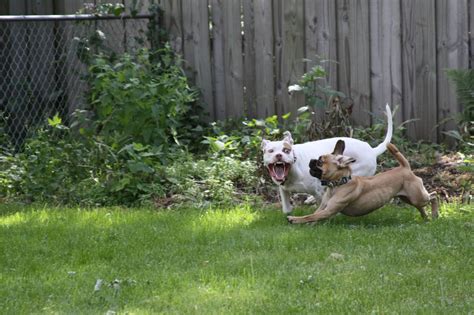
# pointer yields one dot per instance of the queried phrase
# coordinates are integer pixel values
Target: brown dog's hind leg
(420, 204)
(420, 208)
(434, 205)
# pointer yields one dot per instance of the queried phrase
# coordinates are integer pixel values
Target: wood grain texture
(218, 72)
(419, 68)
(172, 16)
(320, 41)
(196, 49)
(291, 64)
(471, 33)
(202, 54)
(233, 59)
(354, 56)
(250, 98)
(264, 73)
(453, 53)
(385, 57)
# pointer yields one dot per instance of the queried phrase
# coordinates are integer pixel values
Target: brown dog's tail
(400, 158)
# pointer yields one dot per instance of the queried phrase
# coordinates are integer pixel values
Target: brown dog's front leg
(316, 216)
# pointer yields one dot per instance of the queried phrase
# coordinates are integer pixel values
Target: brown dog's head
(332, 166)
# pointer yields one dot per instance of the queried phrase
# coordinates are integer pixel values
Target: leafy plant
(464, 83)
(135, 100)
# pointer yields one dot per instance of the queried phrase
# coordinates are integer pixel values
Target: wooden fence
(243, 54)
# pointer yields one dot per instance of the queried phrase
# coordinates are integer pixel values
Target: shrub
(464, 84)
(133, 100)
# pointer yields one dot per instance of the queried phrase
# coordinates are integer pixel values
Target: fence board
(218, 74)
(188, 38)
(197, 48)
(471, 33)
(354, 56)
(233, 60)
(172, 22)
(320, 39)
(419, 71)
(68, 6)
(4, 7)
(387, 51)
(278, 62)
(39, 7)
(202, 53)
(386, 60)
(453, 53)
(264, 74)
(292, 55)
(249, 57)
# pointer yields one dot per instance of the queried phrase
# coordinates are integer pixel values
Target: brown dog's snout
(314, 168)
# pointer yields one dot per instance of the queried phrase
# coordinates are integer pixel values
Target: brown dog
(361, 195)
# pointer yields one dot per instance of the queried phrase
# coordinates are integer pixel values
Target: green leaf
(55, 121)
(139, 167)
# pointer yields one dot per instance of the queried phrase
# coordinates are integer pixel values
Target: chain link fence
(42, 65)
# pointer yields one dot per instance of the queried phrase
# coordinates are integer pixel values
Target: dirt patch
(448, 178)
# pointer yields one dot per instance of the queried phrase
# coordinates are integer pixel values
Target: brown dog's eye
(320, 162)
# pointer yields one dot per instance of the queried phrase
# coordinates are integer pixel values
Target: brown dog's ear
(344, 161)
(339, 148)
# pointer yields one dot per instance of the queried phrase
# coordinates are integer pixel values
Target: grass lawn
(235, 261)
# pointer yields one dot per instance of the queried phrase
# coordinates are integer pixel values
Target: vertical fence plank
(386, 60)
(233, 59)
(292, 54)
(68, 6)
(188, 37)
(387, 52)
(320, 39)
(4, 8)
(471, 33)
(264, 74)
(172, 16)
(419, 70)
(453, 53)
(278, 61)
(354, 56)
(218, 73)
(202, 53)
(249, 57)
(197, 50)
(39, 7)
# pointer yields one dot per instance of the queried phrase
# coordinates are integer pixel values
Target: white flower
(294, 87)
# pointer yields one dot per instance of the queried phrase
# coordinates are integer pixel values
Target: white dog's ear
(264, 143)
(344, 161)
(287, 137)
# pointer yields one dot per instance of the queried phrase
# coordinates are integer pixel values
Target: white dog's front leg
(285, 201)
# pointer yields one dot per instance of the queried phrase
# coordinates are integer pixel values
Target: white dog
(288, 163)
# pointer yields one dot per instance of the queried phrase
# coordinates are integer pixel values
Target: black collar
(335, 183)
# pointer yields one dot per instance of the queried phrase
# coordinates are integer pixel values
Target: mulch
(447, 179)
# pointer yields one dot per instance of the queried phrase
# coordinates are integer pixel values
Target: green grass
(234, 261)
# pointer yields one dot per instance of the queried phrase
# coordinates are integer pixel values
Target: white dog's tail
(383, 146)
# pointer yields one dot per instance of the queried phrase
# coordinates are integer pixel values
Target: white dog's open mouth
(279, 170)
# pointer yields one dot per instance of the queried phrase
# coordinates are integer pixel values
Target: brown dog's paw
(290, 219)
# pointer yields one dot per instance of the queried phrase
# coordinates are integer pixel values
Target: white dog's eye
(270, 151)
(286, 151)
